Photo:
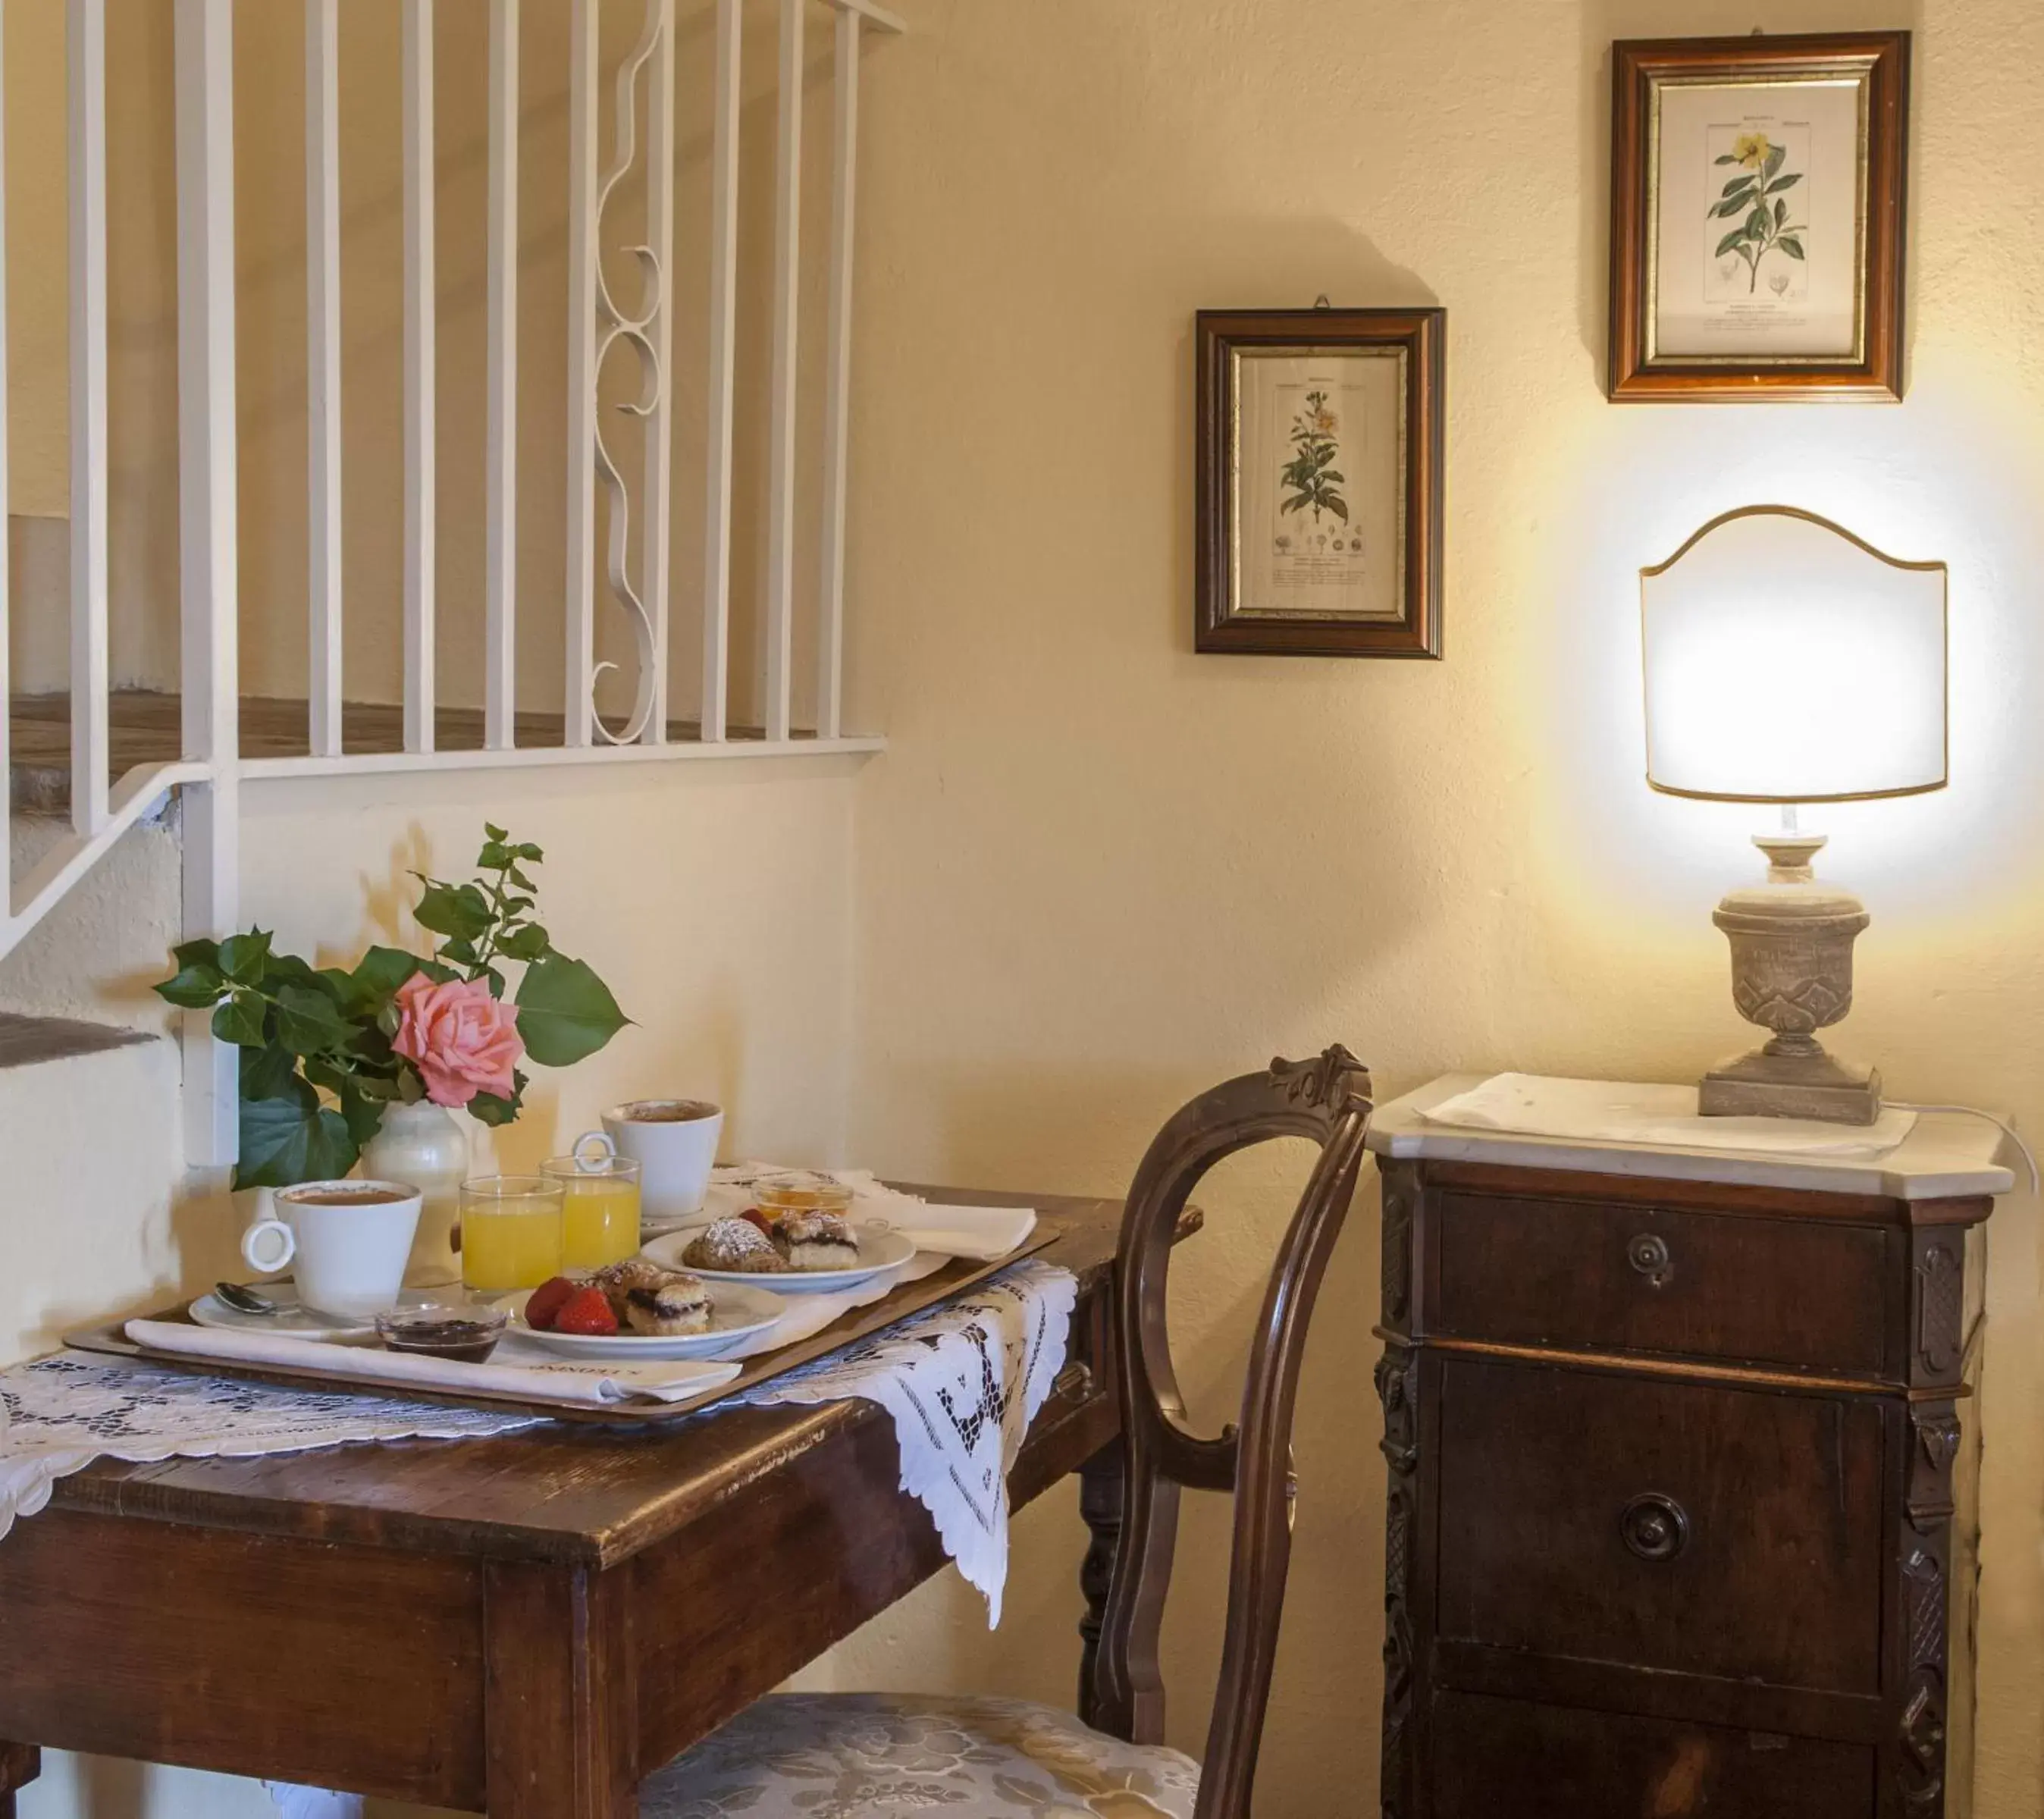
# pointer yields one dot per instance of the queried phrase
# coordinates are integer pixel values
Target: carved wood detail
(1398, 1390)
(1395, 1288)
(1940, 1292)
(1934, 1436)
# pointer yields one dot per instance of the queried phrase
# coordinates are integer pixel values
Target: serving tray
(909, 1298)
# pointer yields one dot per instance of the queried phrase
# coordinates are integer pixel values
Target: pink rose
(462, 1040)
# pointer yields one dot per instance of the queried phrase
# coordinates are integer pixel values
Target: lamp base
(1806, 1085)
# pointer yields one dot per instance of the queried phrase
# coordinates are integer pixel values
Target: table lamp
(1789, 662)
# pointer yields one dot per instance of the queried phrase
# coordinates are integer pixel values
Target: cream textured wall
(1098, 872)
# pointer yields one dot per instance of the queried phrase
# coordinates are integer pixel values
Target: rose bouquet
(324, 1049)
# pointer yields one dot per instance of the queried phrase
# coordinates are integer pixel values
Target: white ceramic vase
(425, 1147)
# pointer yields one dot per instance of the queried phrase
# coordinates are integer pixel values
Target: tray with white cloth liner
(904, 1299)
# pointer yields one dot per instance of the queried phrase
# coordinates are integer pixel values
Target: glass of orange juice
(511, 1230)
(599, 1203)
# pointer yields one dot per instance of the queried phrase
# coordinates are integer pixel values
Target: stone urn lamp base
(1792, 942)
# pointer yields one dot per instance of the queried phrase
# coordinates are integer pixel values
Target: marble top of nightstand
(1946, 1154)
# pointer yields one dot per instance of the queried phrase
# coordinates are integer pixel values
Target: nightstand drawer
(1679, 1527)
(1495, 1756)
(1596, 1276)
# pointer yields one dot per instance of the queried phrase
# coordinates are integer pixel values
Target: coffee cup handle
(252, 1245)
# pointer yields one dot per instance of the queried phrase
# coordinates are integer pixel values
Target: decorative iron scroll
(635, 330)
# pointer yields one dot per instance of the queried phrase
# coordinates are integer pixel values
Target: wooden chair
(804, 1757)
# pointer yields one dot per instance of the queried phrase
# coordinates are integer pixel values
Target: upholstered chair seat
(863, 1755)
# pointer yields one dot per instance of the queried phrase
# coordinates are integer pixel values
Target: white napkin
(983, 1233)
(1625, 1112)
(529, 1371)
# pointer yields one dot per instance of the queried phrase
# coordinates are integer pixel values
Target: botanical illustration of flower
(1764, 229)
(1778, 282)
(1311, 473)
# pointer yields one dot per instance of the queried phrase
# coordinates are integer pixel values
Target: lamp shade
(1787, 661)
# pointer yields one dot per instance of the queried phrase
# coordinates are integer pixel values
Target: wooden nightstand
(1675, 1440)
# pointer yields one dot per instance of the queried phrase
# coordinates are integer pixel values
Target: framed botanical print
(1318, 462)
(1757, 216)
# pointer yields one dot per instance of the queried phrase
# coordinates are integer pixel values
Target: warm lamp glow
(1788, 662)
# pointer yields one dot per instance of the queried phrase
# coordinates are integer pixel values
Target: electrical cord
(2002, 1124)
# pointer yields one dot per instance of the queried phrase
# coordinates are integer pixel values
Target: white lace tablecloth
(962, 1381)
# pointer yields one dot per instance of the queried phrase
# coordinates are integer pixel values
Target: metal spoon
(244, 1300)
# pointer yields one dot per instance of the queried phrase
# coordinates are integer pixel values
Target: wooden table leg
(561, 1714)
(1102, 1484)
(20, 1764)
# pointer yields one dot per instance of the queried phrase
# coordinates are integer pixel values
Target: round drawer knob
(1648, 1254)
(1654, 1527)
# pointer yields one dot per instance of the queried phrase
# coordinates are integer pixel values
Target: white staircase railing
(631, 573)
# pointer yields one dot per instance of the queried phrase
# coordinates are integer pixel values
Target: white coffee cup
(347, 1242)
(675, 1143)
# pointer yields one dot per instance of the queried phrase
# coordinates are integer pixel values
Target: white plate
(880, 1251)
(294, 1322)
(736, 1314)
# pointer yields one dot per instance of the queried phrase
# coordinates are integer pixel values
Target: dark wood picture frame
(1419, 335)
(1640, 70)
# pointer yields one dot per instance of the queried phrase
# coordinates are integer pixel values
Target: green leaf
(493, 1109)
(266, 1073)
(1731, 205)
(1738, 183)
(490, 833)
(291, 1138)
(458, 909)
(530, 853)
(565, 1012)
(1730, 242)
(197, 954)
(239, 1020)
(1788, 182)
(1724, 158)
(519, 878)
(1338, 506)
(380, 971)
(308, 1023)
(361, 1111)
(1757, 224)
(1791, 245)
(458, 952)
(494, 857)
(1775, 155)
(195, 986)
(242, 956)
(1781, 214)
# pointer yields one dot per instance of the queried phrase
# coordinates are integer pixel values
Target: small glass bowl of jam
(462, 1333)
(810, 1193)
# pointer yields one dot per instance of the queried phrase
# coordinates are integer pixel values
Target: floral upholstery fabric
(857, 1756)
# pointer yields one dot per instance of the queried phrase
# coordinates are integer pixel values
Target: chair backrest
(1325, 1101)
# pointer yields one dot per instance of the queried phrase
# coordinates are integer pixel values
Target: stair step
(145, 726)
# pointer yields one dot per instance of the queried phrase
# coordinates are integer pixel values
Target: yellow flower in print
(1326, 422)
(1750, 148)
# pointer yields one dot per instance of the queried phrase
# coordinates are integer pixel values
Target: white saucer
(736, 1312)
(881, 1252)
(294, 1322)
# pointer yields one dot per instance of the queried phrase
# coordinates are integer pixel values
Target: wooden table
(525, 1626)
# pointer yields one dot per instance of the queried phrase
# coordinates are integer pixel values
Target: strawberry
(587, 1311)
(753, 1216)
(543, 1307)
